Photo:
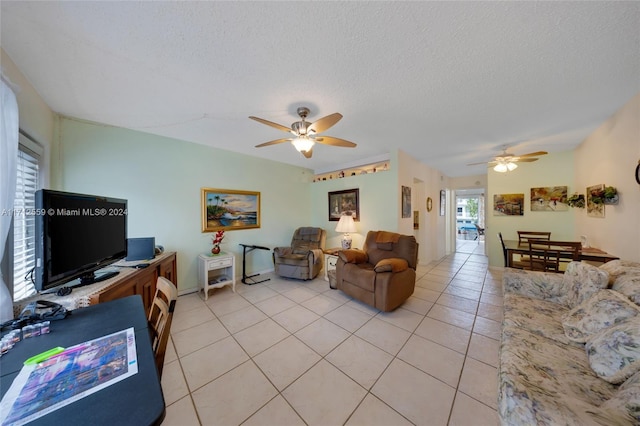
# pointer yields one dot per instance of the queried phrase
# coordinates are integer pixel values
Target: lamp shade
(303, 143)
(346, 224)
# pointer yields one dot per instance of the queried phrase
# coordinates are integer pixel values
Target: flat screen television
(76, 235)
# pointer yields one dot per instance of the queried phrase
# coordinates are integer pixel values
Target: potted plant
(576, 200)
(610, 195)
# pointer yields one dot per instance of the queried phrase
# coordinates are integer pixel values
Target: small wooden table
(592, 254)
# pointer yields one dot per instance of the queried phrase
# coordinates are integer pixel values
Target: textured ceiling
(449, 83)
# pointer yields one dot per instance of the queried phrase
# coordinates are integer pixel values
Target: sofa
(304, 258)
(383, 273)
(570, 346)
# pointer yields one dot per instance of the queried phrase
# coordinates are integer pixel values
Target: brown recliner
(304, 259)
(383, 273)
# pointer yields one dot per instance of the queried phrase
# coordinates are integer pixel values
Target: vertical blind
(24, 255)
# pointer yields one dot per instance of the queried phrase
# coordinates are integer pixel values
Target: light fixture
(503, 167)
(303, 143)
(346, 225)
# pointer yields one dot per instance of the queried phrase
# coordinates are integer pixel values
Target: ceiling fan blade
(272, 124)
(477, 164)
(277, 141)
(330, 140)
(308, 153)
(324, 123)
(525, 160)
(533, 154)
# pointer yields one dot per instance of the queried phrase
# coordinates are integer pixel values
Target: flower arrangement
(608, 195)
(216, 240)
(576, 200)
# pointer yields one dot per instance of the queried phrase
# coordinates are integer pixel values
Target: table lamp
(346, 225)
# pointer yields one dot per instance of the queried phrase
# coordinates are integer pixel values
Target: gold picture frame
(228, 210)
(429, 204)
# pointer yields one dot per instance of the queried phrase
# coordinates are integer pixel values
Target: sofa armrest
(318, 255)
(392, 264)
(282, 251)
(539, 285)
(353, 256)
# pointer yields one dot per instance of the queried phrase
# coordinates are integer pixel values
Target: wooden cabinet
(142, 281)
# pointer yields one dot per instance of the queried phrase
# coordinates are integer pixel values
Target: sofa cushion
(392, 264)
(629, 285)
(624, 406)
(602, 310)
(616, 268)
(614, 352)
(582, 280)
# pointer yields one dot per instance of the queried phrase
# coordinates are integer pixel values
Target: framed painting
(406, 201)
(595, 203)
(228, 210)
(344, 203)
(549, 199)
(508, 204)
(443, 202)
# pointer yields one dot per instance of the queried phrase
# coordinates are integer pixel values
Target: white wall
(550, 170)
(610, 156)
(162, 177)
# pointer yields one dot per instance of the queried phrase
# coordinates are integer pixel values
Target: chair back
(395, 245)
(480, 230)
(548, 255)
(525, 236)
(504, 249)
(160, 317)
(307, 238)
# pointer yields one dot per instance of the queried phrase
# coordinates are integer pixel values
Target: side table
(330, 261)
(216, 271)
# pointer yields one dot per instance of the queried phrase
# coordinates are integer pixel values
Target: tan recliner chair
(305, 258)
(383, 273)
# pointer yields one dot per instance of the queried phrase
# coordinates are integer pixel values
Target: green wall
(161, 178)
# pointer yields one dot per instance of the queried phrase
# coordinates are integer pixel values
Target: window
(27, 182)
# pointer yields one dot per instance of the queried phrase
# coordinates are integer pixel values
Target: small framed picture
(443, 202)
(344, 203)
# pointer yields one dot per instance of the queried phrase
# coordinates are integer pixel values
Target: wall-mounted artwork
(229, 210)
(443, 202)
(406, 201)
(344, 203)
(549, 199)
(595, 204)
(416, 219)
(508, 205)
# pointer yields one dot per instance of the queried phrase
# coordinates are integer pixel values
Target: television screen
(77, 234)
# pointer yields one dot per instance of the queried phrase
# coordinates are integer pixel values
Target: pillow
(393, 264)
(614, 352)
(626, 401)
(629, 285)
(353, 256)
(602, 310)
(616, 268)
(581, 281)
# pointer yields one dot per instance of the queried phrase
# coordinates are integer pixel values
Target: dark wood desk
(137, 400)
(591, 254)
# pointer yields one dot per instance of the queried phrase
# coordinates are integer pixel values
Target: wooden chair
(514, 264)
(549, 256)
(160, 317)
(525, 236)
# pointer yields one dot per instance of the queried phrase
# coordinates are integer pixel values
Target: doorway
(470, 220)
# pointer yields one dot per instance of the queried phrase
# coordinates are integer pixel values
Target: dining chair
(160, 317)
(514, 263)
(551, 256)
(525, 236)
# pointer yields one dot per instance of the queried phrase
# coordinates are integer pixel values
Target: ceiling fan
(305, 133)
(506, 161)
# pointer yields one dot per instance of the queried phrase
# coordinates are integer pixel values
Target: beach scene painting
(229, 209)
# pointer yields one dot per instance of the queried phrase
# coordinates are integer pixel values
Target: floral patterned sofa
(570, 349)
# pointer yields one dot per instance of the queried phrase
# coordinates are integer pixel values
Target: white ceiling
(447, 82)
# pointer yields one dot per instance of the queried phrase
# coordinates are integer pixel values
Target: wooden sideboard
(142, 282)
(129, 281)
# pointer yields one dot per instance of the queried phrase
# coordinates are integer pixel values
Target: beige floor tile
(385, 336)
(295, 318)
(300, 294)
(484, 349)
(471, 285)
(170, 354)
(324, 395)
(492, 299)
(261, 336)
(403, 318)
(490, 311)
(208, 363)
(191, 318)
(181, 413)
(276, 413)
(188, 302)
(322, 336)
(452, 316)
(360, 360)
(467, 293)
(258, 293)
(426, 294)
(442, 363)
(469, 412)
(459, 303)
(348, 318)
(428, 284)
(243, 318)
(480, 381)
(174, 387)
(282, 286)
(319, 284)
(373, 412)
(487, 327)
(225, 305)
(194, 338)
(286, 361)
(419, 306)
(363, 307)
(321, 304)
(470, 276)
(405, 389)
(275, 305)
(233, 397)
(448, 335)
(337, 295)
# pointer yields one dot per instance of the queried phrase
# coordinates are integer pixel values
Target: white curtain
(9, 128)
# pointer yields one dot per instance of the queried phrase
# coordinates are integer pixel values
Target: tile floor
(286, 352)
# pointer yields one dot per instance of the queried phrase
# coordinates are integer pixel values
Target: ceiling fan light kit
(305, 133)
(505, 167)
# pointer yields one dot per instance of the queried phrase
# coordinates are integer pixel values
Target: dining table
(591, 254)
